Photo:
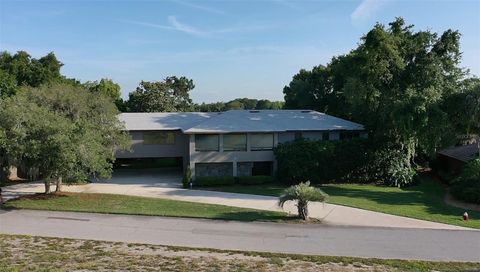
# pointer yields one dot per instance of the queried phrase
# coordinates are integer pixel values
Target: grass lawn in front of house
(423, 201)
(122, 204)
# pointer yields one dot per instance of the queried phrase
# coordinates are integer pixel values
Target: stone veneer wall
(214, 169)
(244, 169)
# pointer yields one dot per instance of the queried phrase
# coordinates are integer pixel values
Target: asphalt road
(315, 239)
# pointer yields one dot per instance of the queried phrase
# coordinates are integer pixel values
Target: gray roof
(463, 153)
(272, 121)
(163, 120)
(237, 121)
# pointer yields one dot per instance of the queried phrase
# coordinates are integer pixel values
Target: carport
(158, 172)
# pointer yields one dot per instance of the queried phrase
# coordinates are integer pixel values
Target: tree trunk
(59, 185)
(47, 186)
(302, 210)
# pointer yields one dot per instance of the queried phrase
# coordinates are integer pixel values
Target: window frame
(252, 148)
(150, 141)
(234, 149)
(207, 150)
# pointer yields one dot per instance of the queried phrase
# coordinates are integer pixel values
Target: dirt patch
(35, 254)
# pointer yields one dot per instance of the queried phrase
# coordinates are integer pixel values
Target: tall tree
(394, 82)
(107, 88)
(169, 95)
(65, 132)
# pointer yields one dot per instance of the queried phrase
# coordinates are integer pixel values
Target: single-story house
(231, 143)
(453, 159)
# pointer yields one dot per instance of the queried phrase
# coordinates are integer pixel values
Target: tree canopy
(62, 131)
(21, 69)
(169, 95)
(240, 104)
(396, 83)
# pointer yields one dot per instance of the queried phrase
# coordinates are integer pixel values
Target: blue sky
(241, 48)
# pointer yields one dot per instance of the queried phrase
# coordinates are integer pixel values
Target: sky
(235, 48)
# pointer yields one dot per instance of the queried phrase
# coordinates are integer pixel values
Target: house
(453, 159)
(236, 142)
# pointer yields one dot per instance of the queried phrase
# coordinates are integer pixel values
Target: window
(325, 136)
(263, 141)
(158, 138)
(206, 142)
(235, 142)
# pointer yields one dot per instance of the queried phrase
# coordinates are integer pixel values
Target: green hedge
(467, 186)
(213, 181)
(356, 160)
(250, 180)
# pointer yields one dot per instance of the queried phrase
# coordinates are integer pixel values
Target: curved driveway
(328, 213)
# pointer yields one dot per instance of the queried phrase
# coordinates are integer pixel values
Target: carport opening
(148, 163)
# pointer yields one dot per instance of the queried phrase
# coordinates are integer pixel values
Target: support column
(235, 168)
(191, 152)
(220, 142)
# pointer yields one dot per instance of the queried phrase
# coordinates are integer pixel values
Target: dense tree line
(240, 104)
(405, 86)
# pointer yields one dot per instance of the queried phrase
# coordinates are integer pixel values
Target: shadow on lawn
(250, 216)
(428, 195)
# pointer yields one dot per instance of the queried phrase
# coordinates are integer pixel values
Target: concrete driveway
(159, 177)
(329, 213)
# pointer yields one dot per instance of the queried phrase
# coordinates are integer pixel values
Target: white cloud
(366, 10)
(183, 27)
(175, 25)
(200, 7)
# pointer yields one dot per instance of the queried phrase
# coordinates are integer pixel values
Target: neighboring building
(454, 159)
(236, 142)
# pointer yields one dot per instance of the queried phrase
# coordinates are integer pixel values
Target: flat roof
(163, 120)
(237, 121)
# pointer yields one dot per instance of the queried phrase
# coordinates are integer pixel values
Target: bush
(356, 160)
(187, 177)
(388, 165)
(466, 190)
(250, 180)
(320, 161)
(213, 181)
(467, 186)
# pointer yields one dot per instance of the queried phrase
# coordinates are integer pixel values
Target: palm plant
(302, 194)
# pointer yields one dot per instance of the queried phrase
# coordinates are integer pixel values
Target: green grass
(423, 201)
(121, 204)
(33, 253)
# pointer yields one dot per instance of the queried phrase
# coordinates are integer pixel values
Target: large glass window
(206, 142)
(261, 141)
(235, 142)
(158, 137)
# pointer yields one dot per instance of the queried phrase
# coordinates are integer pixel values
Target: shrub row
(467, 186)
(356, 160)
(228, 180)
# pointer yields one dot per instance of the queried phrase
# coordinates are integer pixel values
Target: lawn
(121, 204)
(27, 253)
(423, 201)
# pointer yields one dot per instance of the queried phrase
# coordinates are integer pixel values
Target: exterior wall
(141, 150)
(218, 169)
(311, 135)
(233, 157)
(284, 137)
(184, 147)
